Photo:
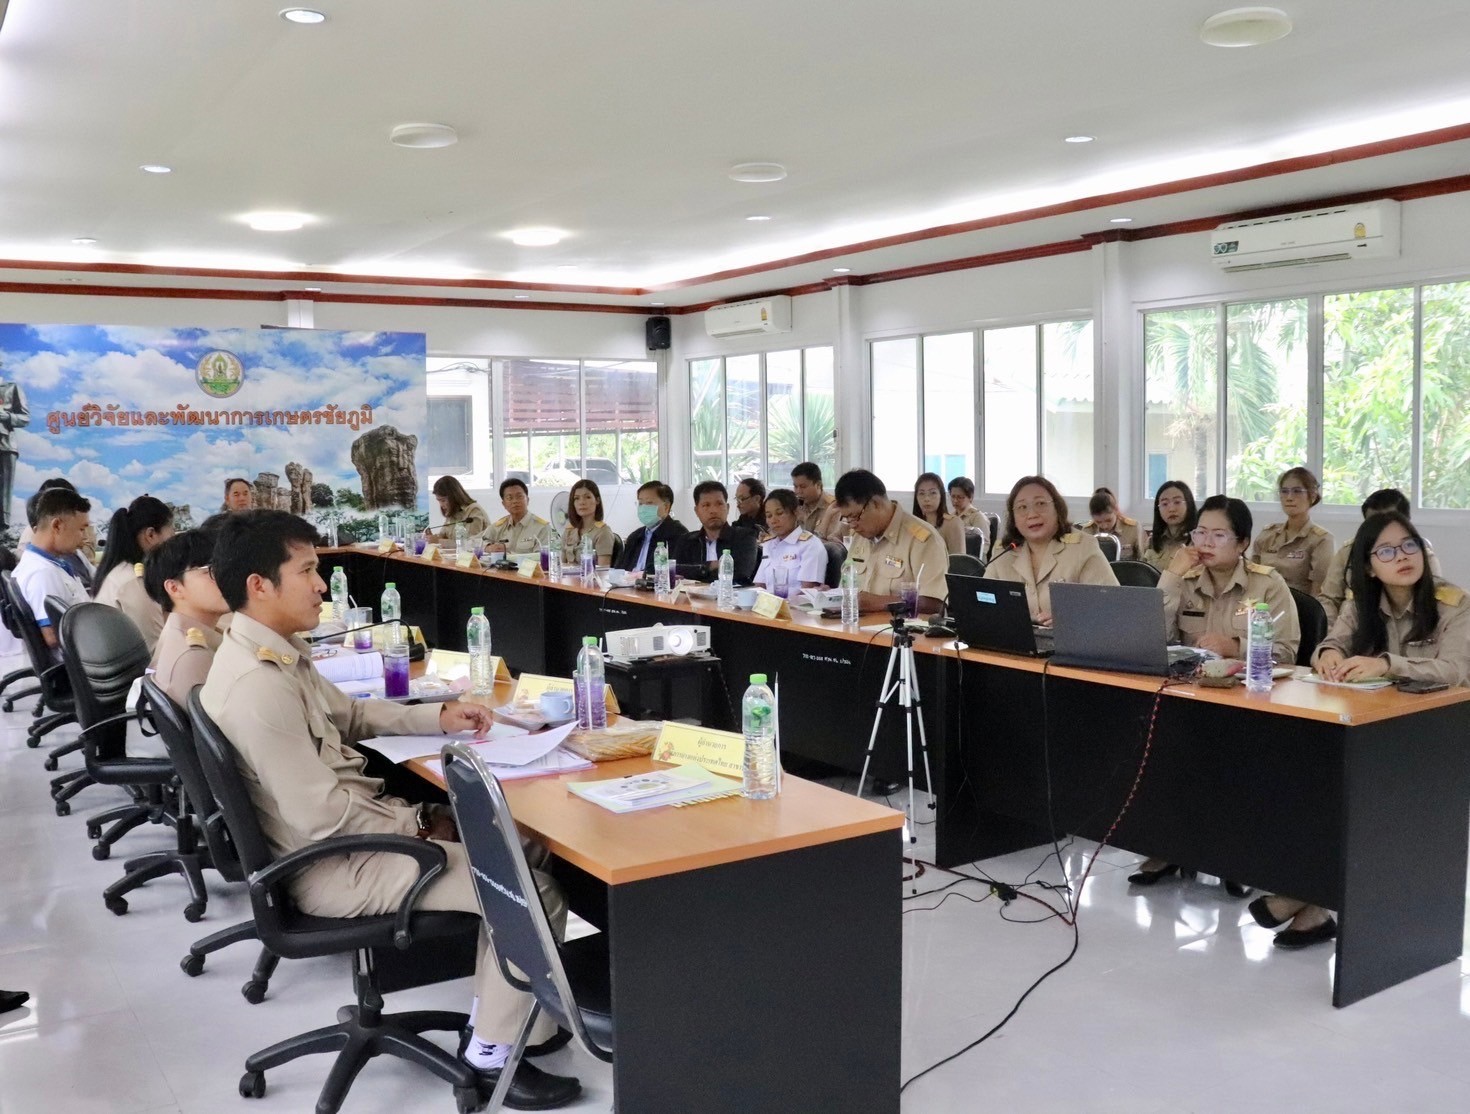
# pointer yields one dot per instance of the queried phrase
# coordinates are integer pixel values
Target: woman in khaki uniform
(1108, 519)
(1174, 518)
(1399, 622)
(1298, 548)
(584, 518)
(458, 509)
(1039, 549)
(930, 506)
(134, 532)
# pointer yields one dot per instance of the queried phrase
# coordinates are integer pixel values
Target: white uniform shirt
(801, 553)
(41, 574)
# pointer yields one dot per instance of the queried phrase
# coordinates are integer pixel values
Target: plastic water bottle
(590, 686)
(662, 585)
(849, 586)
(726, 596)
(553, 561)
(384, 530)
(1260, 637)
(477, 635)
(461, 537)
(759, 726)
(391, 608)
(339, 595)
(589, 560)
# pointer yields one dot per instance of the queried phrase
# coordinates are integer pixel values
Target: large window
(992, 404)
(1390, 370)
(762, 414)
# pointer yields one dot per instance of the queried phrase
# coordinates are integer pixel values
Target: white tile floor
(1175, 1001)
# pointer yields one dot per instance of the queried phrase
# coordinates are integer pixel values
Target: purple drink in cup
(908, 592)
(418, 545)
(546, 558)
(395, 670)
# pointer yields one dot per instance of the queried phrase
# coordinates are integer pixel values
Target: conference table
(1356, 801)
(756, 946)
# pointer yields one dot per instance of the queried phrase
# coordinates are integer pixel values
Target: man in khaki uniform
(292, 731)
(817, 513)
(1195, 608)
(1301, 556)
(891, 545)
(520, 531)
(177, 577)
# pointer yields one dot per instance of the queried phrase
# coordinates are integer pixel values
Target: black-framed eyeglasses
(852, 519)
(1386, 553)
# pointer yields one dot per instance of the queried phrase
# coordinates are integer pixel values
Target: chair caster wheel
(9, 705)
(468, 1099)
(49, 765)
(118, 905)
(32, 742)
(254, 992)
(94, 831)
(101, 851)
(192, 965)
(1237, 889)
(252, 1085)
(194, 912)
(63, 808)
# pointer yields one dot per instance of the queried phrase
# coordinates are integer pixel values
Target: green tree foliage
(346, 497)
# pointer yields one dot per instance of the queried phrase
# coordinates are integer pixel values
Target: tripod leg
(905, 699)
(883, 696)
(924, 744)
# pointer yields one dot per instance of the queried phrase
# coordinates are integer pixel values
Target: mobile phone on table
(1423, 686)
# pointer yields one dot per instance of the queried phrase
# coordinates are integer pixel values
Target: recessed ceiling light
(757, 172)
(536, 237)
(655, 303)
(1246, 27)
(522, 297)
(302, 15)
(841, 270)
(1079, 139)
(311, 289)
(275, 221)
(567, 266)
(155, 168)
(83, 241)
(759, 216)
(423, 137)
(1121, 220)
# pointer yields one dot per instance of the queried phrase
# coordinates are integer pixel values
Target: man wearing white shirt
(793, 555)
(61, 520)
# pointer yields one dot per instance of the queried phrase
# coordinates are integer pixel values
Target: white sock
(474, 1009)
(486, 1056)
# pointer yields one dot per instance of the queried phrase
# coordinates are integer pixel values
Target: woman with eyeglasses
(1399, 622)
(1039, 548)
(1174, 516)
(932, 507)
(1298, 548)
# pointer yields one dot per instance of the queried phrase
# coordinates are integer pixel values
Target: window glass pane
(895, 411)
(621, 400)
(1181, 376)
(450, 450)
(1067, 392)
(821, 414)
(743, 406)
(707, 406)
(1010, 406)
(1266, 395)
(785, 440)
(1446, 396)
(949, 405)
(1367, 392)
(542, 401)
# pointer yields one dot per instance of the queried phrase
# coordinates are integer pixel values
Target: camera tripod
(906, 690)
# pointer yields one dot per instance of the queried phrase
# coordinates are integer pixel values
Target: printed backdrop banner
(326, 424)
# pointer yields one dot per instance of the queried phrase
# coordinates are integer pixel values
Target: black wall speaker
(657, 334)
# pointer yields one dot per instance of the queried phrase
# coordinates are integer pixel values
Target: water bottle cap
(589, 640)
(388, 585)
(477, 611)
(757, 678)
(1262, 605)
(338, 568)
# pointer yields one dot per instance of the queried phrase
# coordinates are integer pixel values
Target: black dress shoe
(1236, 889)
(1149, 877)
(1306, 937)
(1260, 910)
(532, 1088)
(13, 1000)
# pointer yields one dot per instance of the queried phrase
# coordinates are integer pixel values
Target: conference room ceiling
(618, 122)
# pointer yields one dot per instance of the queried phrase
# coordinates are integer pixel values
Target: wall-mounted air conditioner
(759, 315)
(1327, 235)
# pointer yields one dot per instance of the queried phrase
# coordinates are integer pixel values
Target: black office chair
(7, 617)
(104, 655)
(56, 699)
(966, 565)
(363, 1030)
(1313, 621)
(617, 551)
(836, 558)
(975, 543)
(994, 520)
(200, 815)
(56, 607)
(1110, 544)
(1136, 574)
(571, 982)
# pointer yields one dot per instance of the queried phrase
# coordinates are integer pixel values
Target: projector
(656, 641)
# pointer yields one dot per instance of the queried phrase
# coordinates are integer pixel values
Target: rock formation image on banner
(384, 459)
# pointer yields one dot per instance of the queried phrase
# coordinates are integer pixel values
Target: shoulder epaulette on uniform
(1126, 521)
(1259, 570)
(195, 637)
(265, 653)
(1071, 539)
(501, 521)
(919, 531)
(538, 518)
(805, 536)
(138, 568)
(1319, 530)
(1449, 594)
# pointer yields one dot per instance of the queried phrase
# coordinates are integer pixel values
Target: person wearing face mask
(1108, 519)
(1298, 548)
(1174, 516)
(1038, 547)
(930, 507)
(1401, 621)
(656, 524)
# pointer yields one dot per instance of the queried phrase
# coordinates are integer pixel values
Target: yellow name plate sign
(385, 545)
(431, 552)
(768, 605)
(530, 686)
(530, 568)
(720, 752)
(450, 665)
(465, 559)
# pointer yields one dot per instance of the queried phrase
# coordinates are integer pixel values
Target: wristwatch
(421, 818)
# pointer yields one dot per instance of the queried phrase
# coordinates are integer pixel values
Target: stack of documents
(509, 751)
(686, 784)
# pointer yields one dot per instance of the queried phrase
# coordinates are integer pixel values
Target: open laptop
(1109, 626)
(994, 615)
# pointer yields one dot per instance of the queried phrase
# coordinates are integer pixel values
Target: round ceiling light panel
(1246, 27)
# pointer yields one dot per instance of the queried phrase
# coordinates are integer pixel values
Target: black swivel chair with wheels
(200, 815)
(966, 565)
(1111, 547)
(836, 558)
(1136, 574)
(975, 543)
(55, 691)
(363, 1030)
(571, 982)
(55, 608)
(617, 551)
(994, 520)
(7, 617)
(1313, 621)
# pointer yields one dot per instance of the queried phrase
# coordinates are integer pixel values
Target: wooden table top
(1325, 703)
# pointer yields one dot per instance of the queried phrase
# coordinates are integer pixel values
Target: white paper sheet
(348, 666)
(522, 749)
(400, 748)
